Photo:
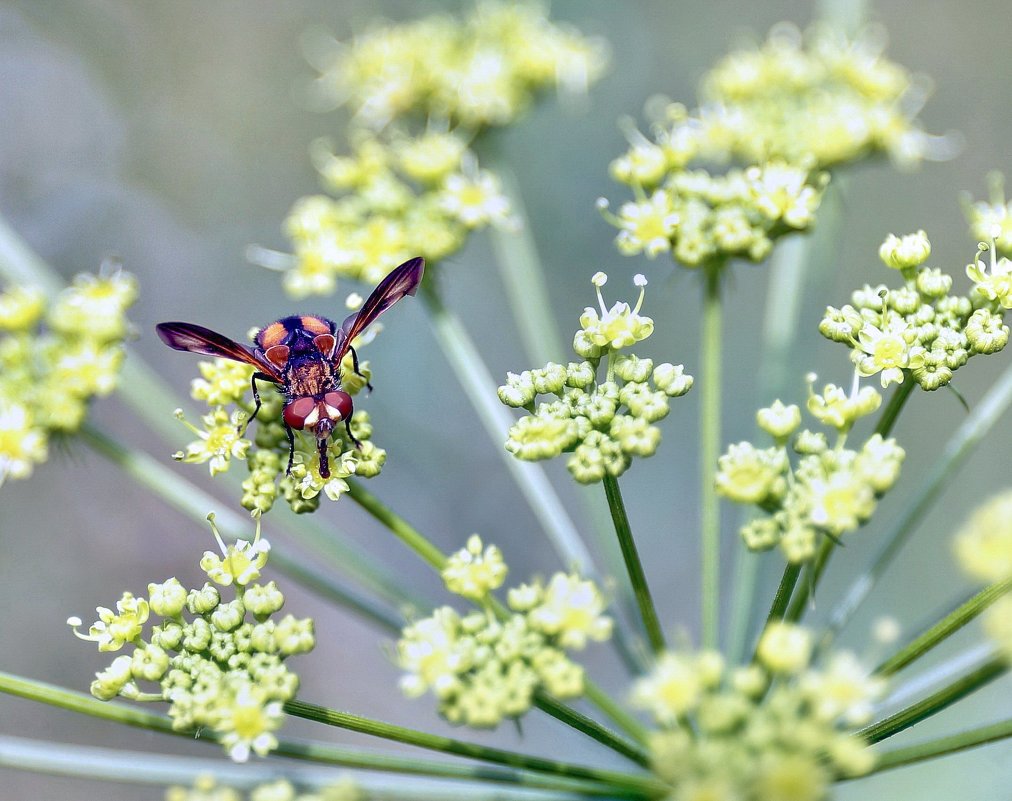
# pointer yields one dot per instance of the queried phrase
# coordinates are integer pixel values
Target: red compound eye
(339, 405)
(300, 413)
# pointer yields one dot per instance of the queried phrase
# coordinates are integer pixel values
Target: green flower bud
(810, 442)
(204, 600)
(798, 543)
(596, 456)
(168, 636)
(580, 374)
(631, 368)
(779, 421)
(609, 389)
(904, 300)
(644, 402)
(635, 435)
(841, 325)
(167, 599)
(933, 283)
(196, 635)
(149, 663)
(929, 368)
(911, 250)
(748, 475)
(985, 332)
(538, 437)
(600, 410)
(869, 297)
(518, 391)
(550, 379)
(228, 616)
(585, 347)
(955, 305)
(222, 646)
(262, 638)
(879, 463)
(109, 682)
(369, 460)
(672, 380)
(294, 636)
(760, 534)
(262, 601)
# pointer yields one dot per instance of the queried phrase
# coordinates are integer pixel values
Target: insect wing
(197, 339)
(403, 280)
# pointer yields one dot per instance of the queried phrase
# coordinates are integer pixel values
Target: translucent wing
(403, 280)
(197, 339)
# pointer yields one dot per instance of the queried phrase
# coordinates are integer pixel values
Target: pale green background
(170, 134)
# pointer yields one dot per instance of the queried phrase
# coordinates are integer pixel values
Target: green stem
(891, 413)
(944, 628)
(988, 411)
(136, 767)
(778, 609)
(436, 559)
(618, 713)
(195, 503)
(479, 387)
(633, 565)
(448, 745)
(709, 447)
(943, 746)
(936, 702)
(313, 751)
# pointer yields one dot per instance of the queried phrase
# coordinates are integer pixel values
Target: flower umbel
(215, 668)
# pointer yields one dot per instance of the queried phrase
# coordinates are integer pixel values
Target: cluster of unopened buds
(490, 664)
(603, 425)
(777, 728)
(55, 356)
(829, 491)
(921, 329)
(218, 664)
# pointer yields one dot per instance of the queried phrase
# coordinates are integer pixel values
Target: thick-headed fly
(302, 355)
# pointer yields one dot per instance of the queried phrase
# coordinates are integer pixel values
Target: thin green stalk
(943, 746)
(633, 565)
(448, 745)
(944, 628)
(629, 723)
(970, 433)
(195, 503)
(778, 609)
(313, 751)
(137, 767)
(936, 702)
(436, 559)
(479, 387)
(590, 727)
(710, 405)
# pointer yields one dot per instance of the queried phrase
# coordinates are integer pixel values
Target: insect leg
(347, 425)
(256, 397)
(291, 447)
(354, 362)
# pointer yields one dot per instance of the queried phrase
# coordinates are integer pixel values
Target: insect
(302, 355)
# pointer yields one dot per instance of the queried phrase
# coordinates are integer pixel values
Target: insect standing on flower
(302, 354)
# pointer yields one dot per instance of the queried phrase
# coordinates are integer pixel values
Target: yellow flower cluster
(787, 110)
(920, 329)
(984, 549)
(54, 357)
(734, 734)
(830, 491)
(223, 436)
(477, 71)
(215, 668)
(396, 197)
(206, 788)
(474, 570)
(482, 667)
(992, 219)
(603, 425)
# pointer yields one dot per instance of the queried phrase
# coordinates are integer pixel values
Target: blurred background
(172, 135)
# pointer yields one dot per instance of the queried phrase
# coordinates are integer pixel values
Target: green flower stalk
(602, 424)
(54, 358)
(207, 788)
(219, 664)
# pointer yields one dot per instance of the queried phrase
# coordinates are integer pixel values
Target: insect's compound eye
(339, 406)
(277, 355)
(301, 413)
